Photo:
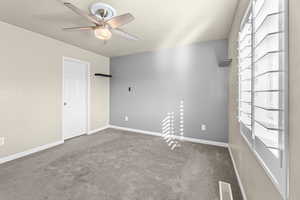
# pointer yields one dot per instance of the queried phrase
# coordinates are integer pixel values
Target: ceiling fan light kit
(105, 21)
(102, 33)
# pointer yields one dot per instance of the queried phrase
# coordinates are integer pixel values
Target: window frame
(282, 187)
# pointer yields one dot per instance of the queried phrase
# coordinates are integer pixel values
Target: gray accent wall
(159, 80)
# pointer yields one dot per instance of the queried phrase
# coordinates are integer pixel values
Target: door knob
(65, 103)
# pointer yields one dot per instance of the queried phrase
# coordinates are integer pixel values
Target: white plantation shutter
(267, 73)
(245, 75)
(263, 86)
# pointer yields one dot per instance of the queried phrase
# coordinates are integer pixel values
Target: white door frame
(88, 92)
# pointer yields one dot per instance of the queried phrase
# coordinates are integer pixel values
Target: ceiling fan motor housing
(102, 10)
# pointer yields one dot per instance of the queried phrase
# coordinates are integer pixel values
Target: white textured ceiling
(159, 23)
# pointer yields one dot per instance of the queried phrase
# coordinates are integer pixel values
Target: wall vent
(225, 191)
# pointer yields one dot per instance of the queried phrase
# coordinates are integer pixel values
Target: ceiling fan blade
(124, 34)
(79, 28)
(120, 20)
(82, 13)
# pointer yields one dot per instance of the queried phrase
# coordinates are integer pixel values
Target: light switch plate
(203, 127)
(126, 119)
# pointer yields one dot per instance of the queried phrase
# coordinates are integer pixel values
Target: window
(263, 86)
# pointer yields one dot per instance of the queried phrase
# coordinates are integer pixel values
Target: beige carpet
(118, 165)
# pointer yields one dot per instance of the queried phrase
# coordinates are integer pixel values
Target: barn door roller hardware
(104, 75)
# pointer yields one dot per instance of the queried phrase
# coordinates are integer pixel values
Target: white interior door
(75, 93)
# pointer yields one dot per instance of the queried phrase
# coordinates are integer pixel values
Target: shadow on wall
(168, 129)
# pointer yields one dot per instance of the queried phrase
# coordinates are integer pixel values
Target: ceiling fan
(105, 21)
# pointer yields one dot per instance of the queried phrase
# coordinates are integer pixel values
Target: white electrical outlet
(2, 141)
(126, 119)
(203, 127)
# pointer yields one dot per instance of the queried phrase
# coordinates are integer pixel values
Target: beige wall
(294, 103)
(31, 88)
(255, 181)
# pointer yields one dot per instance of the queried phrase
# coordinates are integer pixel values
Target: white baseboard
(135, 130)
(188, 139)
(98, 129)
(200, 141)
(30, 151)
(237, 175)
